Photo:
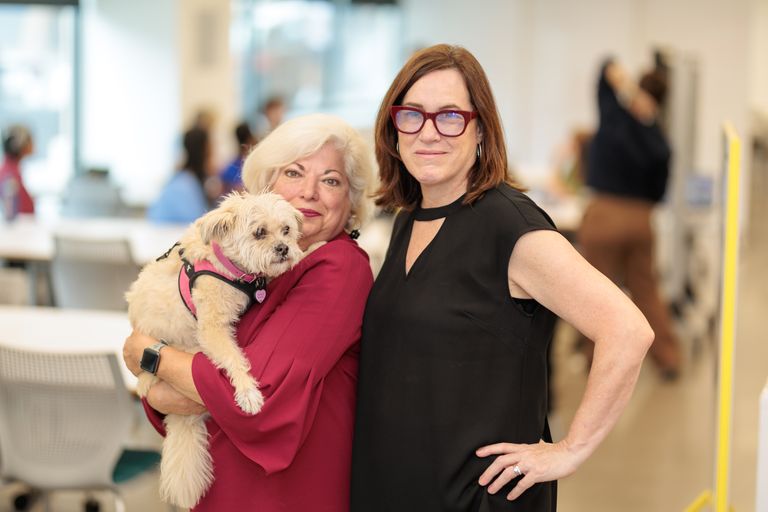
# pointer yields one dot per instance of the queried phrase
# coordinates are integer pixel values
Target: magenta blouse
(303, 345)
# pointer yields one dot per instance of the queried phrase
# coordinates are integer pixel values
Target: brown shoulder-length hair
(398, 188)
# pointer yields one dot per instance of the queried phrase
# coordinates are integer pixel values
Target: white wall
(206, 70)
(542, 58)
(497, 35)
(716, 33)
(130, 82)
(148, 67)
(759, 55)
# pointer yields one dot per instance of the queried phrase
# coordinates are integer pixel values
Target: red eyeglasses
(449, 123)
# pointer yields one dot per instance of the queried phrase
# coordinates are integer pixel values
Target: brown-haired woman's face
(434, 160)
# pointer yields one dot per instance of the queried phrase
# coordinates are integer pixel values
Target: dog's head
(258, 232)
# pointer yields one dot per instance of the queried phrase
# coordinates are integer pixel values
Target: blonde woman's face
(318, 187)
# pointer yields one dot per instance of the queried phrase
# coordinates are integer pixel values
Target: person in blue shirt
(183, 198)
(230, 175)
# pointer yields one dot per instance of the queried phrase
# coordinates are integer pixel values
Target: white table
(66, 330)
(31, 239)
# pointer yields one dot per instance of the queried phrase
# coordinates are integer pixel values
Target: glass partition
(37, 87)
(331, 56)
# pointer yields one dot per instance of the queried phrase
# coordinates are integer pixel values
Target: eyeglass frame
(468, 116)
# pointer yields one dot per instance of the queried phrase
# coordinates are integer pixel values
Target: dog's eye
(259, 233)
(286, 230)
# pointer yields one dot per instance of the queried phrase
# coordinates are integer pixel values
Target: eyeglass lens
(447, 123)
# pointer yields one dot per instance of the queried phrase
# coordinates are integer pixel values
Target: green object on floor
(133, 463)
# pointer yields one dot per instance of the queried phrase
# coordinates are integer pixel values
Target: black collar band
(427, 214)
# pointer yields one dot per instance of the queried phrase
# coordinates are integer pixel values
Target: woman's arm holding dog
(164, 398)
(310, 334)
(175, 369)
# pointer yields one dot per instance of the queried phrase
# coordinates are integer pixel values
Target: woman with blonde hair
(302, 342)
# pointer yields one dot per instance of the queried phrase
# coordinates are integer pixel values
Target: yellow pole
(728, 323)
(704, 499)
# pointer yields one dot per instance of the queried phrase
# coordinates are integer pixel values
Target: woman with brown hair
(453, 385)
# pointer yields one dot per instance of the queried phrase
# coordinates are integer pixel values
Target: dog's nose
(281, 249)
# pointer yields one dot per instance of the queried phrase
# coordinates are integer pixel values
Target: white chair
(64, 419)
(92, 274)
(92, 194)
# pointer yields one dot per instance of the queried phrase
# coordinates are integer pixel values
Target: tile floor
(660, 456)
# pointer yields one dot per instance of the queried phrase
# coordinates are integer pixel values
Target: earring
(351, 221)
(479, 151)
(354, 234)
(397, 147)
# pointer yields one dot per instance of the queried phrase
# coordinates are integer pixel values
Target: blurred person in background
(230, 177)
(570, 163)
(183, 198)
(628, 167)
(17, 144)
(271, 115)
(205, 119)
(452, 398)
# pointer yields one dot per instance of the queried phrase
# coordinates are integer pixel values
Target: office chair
(92, 194)
(92, 274)
(64, 418)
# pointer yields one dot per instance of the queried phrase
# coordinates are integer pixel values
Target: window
(331, 56)
(37, 87)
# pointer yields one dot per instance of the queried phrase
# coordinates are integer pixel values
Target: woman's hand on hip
(133, 349)
(542, 462)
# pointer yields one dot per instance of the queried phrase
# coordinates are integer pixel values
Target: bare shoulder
(541, 256)
(546, 267)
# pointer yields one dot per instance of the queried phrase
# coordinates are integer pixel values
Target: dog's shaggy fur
(253, 231)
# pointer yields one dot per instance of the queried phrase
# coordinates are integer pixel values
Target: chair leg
(25, 500)
(119, 503)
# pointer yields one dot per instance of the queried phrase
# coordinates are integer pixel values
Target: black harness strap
(169, 251)
(249, 289)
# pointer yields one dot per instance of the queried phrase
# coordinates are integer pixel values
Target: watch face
(149, 361)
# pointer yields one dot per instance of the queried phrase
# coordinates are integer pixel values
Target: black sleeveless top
(449, 363)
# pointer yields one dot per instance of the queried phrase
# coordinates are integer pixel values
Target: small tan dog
(247, 239)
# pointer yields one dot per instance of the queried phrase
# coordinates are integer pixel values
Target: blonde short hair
(302, 136)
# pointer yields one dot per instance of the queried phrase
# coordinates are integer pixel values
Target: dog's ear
(216, 224)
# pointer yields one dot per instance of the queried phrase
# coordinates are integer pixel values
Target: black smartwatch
(150, 360)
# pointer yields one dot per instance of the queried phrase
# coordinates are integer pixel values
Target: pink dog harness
(252, 285)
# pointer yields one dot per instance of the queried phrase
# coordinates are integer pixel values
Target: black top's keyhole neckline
(427, 214)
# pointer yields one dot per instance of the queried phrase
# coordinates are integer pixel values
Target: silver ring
(517, 471)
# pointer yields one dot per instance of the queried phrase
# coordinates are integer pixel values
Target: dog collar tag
(261, 289)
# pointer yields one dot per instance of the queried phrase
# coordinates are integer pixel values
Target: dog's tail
(186, 469)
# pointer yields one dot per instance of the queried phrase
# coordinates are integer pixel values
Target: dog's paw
(145, 381)
(249, 400)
